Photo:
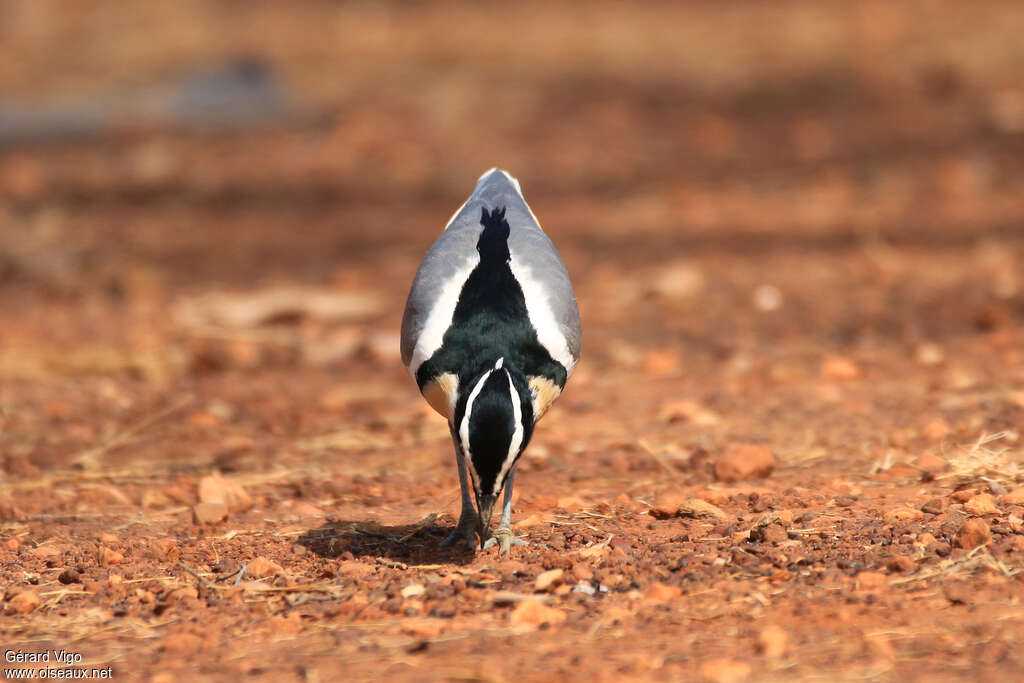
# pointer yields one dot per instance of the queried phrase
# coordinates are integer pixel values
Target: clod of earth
(740, 462)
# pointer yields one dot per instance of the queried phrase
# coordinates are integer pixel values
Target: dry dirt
(796, 231)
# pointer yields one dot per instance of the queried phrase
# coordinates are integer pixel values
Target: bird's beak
(486, 505)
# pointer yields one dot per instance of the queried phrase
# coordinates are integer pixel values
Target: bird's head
(493, 422)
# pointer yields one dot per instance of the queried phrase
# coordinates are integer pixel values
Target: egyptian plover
(491, 333)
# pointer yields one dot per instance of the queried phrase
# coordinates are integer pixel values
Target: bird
(490, 334)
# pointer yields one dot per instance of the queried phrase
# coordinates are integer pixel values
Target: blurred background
(232, 197)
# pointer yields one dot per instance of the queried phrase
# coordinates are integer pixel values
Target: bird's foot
(465, 530)
(503, 538)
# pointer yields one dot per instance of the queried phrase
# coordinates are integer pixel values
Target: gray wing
(451, 258)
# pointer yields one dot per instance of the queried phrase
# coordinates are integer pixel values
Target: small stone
(661, 592)
(423, 628)
(666, 506)
(304, 509)
(548, 580)
(413, 590)
(109, 539)
(535, 613)
(105, 556)
(838, 367)
(181, 644)
(981, 505)
(974, 532)
(261, 568)
(872, 581)
(210, 513)
(936, 430)
(1014, 497)
(934, 506)
(724, 670)
(181, 593)
(905, 514)
(165, 549)
(216, 489)
(69, 576)
(929, 354)
(932, 464)
(768, 533)
(901, 563)
(695, 508)
(24, 602)
(748, 461)
(963, 495)
(12, 544)
(772, 641)
(767, 298)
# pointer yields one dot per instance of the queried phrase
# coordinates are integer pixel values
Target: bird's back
(452, 271)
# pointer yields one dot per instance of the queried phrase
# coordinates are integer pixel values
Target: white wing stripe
(541, 316)
(440, 317)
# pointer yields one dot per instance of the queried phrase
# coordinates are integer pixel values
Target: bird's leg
(503, 534)
(468, 518)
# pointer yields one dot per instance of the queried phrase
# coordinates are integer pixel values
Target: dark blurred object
(240, 93)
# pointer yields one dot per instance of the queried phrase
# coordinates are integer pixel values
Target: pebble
(261, 568)
(216, 489)
(934, 506)
(936, 430)
(69, 576)
(930, 463)
(696, 508)
(963, 495)
(106, 556)
(1014, 497)
(901, 563)
(838, 367)
(423, 628)
(724, 670)
(661, 592)
(747, 461)
(981, 505)
(534, 613)
(24, 602)
(548, 580)
(974, 532)
(413, 590)
(905, 514)
(666, 506)
(165, 549)
(210, 513)
(772, 641)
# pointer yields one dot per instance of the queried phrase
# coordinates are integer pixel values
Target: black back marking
(491, 320)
